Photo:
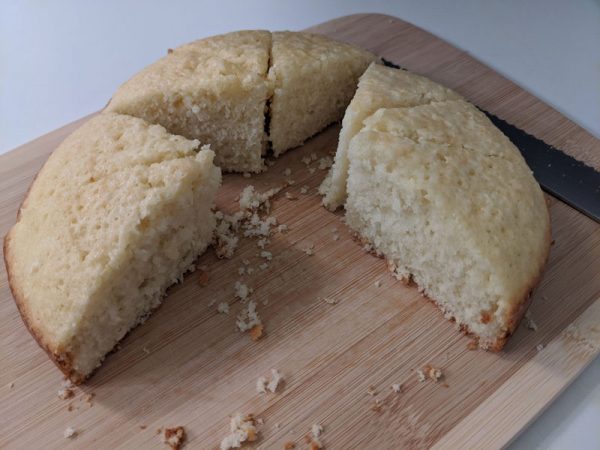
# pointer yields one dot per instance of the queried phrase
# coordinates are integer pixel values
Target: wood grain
(188, 365)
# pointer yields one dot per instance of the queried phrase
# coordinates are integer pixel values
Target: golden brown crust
(62, 360)
(514, 316)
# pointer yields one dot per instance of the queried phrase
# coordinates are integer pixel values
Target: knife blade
(558, 173)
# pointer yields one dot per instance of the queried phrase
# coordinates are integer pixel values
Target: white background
(61, 60)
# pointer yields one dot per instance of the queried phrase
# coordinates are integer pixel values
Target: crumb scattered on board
(223, 308)
(242, 429)
(313, 439)
(529, 323)
(67, 390)
(70, 433)
(174, 437)
(264, 385)
(397, 387)
(429, 372)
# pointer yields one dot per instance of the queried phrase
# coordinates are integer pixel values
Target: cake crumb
(313, 156)
(306, 160)
(261, 385)
(276, 378)
(529, 323)
(378, 283)
(241, 291)
(372, 391)
(242, 429)
(89, 398)
(287, 172)
(316, 430)
(290, 196)
(264, 385)
(312, 439)
(433, 373)
(241, 270)
(282, 228)
(311, 170)
(330, 301)
(256, 332)
(325, 163)
(66, 390)
(289, 445)
(70, 433)
(421, 376)
(304, 189)
(262, 243)
(203, 278)
(252, 200)
(336, 237)
(223, 308)
(263, 266)
(248, 317)
(397, 387)
(174, 437)
(267, 255)
(472, 345)
(539, 347)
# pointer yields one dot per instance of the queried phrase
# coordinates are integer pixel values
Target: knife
(559, 174)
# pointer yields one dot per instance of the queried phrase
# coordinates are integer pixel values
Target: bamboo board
(188, 365)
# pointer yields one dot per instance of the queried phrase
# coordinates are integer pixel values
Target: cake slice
(314, 79)
(214, 90)
(448, 200)
(379, 87)
(118, 213)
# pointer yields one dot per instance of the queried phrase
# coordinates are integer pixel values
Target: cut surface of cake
(378, 87)
(118, 213)
(214, 90)
(449, 201)
(246, 90)
(314, 79)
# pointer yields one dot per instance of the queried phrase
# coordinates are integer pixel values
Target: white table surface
(61, 60)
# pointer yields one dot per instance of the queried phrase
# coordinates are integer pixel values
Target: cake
(118, 213)
(379, 87)
(247, 91)
(214, 90)
(449, 201)
(314, 79)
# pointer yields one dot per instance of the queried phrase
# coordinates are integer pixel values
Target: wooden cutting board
(188, 365)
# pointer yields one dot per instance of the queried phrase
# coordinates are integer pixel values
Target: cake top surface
(295, 54)
(215, 64)
(470, 180)
(84, 209)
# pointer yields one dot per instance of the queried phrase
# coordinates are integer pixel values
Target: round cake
(123, 206)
